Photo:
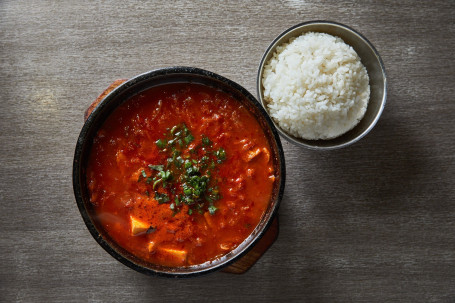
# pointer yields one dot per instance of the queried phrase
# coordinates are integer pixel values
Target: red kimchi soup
(180, 174)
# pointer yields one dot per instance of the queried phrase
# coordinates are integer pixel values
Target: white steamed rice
(316, 87)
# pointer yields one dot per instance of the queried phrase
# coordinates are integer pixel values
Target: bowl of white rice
(323, 84)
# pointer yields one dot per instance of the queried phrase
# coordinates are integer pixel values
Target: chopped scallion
(212, 209)
(156, 167)
(161, 143)
(188, 139)
(186, 176)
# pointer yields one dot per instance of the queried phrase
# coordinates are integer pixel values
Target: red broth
(171, 223)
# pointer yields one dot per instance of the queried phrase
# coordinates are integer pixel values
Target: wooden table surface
(374, 222)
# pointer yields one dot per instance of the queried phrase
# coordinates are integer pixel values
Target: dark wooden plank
(247, 261)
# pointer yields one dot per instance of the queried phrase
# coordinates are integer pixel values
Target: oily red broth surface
(126, 144)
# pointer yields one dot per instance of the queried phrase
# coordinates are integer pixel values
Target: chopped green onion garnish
(189, 139)
(206, 141)
(156, 167)
(156, 183)
(161, 143)
(221, 154)
(186, 176)
(161, 198)
(212, 209)
(187, 163)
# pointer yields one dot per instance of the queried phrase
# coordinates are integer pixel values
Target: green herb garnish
(186, 176)
(156, 167)
(212, 209)
(206, 141)
(161, 198)
(189, 139)
(161, 144)
(221, 154)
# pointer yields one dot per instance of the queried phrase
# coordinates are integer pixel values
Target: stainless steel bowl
(369, 57)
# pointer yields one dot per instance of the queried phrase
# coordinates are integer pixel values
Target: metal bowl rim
(290, 138)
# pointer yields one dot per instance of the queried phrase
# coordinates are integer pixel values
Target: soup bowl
(125, 92)
(370, 59)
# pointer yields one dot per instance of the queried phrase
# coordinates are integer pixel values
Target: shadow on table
(380, 171)
(363, 203)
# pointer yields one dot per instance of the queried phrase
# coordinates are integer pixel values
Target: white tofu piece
(178, 254)
(137, 226)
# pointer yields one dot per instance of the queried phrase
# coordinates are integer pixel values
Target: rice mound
(316, 87)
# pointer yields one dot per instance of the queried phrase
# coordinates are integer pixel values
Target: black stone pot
(135, 86)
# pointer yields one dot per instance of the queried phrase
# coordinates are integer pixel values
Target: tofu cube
(138, 226)
(177, 254)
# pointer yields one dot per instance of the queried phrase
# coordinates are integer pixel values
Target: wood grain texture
(374, 222)
(247, 261)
